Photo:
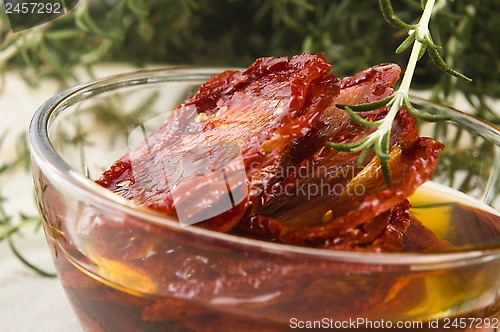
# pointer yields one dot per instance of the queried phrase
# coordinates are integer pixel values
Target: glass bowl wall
(126, 268)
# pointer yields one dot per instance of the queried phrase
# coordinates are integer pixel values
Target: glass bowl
(127, 268)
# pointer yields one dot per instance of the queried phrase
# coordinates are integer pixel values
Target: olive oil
(456, 217)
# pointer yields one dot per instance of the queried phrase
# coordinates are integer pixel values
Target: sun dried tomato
(276, 117)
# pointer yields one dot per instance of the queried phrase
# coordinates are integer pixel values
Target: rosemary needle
(422, 41)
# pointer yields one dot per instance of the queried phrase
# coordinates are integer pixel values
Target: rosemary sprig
(418, 35)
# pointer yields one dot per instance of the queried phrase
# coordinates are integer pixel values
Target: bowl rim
(53, 166)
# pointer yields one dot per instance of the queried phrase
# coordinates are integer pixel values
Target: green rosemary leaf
(422, 51)
(406, 43)
(347, 147)
(30, 265)
(438, 60)
(356, 117)
(362, 156)
(378, 150)
(383, 156)
(367, 106)
(388, 12)
(427, 41)
(384, 164)
(386, 142)
(425, 115)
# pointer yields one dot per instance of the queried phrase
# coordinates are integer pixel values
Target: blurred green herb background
(352, 34)
(229, 33)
